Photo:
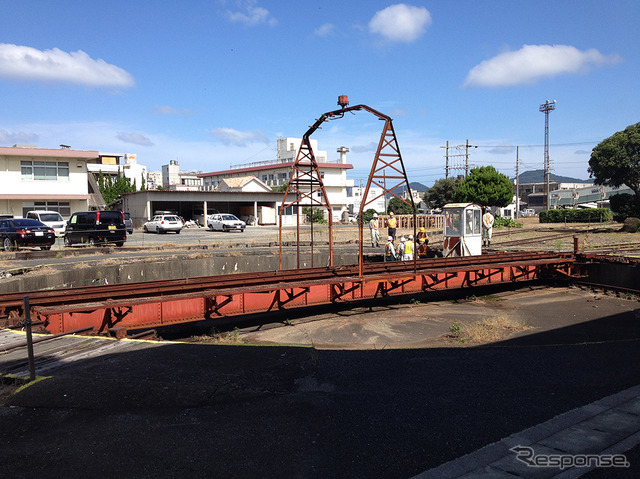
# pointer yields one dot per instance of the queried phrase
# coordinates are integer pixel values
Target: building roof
(48, 152)
(238, 181)
(274, 166)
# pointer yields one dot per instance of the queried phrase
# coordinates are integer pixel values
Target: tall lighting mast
(546, 107)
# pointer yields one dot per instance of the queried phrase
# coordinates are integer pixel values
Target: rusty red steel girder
(161, 303)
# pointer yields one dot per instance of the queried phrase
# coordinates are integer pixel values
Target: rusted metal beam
(139, 306)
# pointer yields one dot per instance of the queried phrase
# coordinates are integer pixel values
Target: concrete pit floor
(567, 315)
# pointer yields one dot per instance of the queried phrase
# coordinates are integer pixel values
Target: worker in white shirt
(487, 227)
(375, 231)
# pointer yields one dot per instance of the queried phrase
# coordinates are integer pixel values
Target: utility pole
(546, 108)
(466, 159)
(457, 159)
(446, 156)
(517, 182)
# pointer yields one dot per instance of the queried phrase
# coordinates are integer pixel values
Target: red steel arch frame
(306, 180)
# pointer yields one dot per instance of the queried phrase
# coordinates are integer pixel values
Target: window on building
(62, 207)
(44, 170)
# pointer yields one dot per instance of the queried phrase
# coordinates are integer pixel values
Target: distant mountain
(537, 176)
(415, 186)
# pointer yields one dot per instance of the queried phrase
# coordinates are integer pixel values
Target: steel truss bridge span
(134, 306)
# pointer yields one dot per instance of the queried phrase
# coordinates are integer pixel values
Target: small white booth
(462, 229)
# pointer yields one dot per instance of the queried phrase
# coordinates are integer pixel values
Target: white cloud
(9, 138)
(134, 138)
(251, 15)
(229, 136)
(534, 62)
(29, 64)
(164, 110)
(325, 29)
(401, 23)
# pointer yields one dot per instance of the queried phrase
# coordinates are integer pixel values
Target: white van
(52, 219)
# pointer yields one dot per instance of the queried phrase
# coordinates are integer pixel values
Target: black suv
(96, 227)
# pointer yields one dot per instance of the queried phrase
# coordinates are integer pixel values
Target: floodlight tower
(546, 107)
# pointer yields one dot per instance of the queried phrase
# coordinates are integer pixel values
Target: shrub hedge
(587, 215)
(631, 225)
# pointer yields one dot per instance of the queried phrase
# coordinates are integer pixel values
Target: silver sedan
(163, 224)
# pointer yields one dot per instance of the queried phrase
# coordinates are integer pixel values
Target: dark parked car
(128, 223)
(96, 227)
(18, 232)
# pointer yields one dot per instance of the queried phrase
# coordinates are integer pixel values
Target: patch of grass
(41, 270)
(486, 330)
(109, 262)
(216, 336)
(81, 265)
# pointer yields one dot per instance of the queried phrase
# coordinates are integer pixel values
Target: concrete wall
(185, 266)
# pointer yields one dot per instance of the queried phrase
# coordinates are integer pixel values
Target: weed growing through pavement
(486, 330)
(221, 336)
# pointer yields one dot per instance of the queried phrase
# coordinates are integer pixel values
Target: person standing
(487, 227)
(400, 249)
(392, 223)
(408, 249)
(375, 233)
(390, 250)
(423, 249)
(422, 235)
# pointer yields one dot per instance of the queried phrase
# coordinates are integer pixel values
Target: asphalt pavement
(195, 410)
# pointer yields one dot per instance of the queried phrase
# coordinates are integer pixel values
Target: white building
(125, 163)
(173, 179)
(375, 198)
(276, 173)
(39, 178)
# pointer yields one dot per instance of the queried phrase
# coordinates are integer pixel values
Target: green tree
(441, 192)
(624, 206)
(112, 188)
(615, 161)
(485, 186)
(367, 215)
(317, 216)
(399, 207)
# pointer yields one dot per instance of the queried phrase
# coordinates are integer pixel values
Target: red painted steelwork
(161, 303)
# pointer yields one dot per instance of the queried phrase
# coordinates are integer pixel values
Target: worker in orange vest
(392, 223)
(422, 234)
(423, 249)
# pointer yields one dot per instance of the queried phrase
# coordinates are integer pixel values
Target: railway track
(157, 303)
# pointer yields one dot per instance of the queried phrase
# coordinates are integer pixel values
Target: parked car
(18, 232)
(128, 223)
(225, 222)
(163, 224)
(96, 227)
(52, 219)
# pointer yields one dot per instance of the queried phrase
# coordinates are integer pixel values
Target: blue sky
(215, 83)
